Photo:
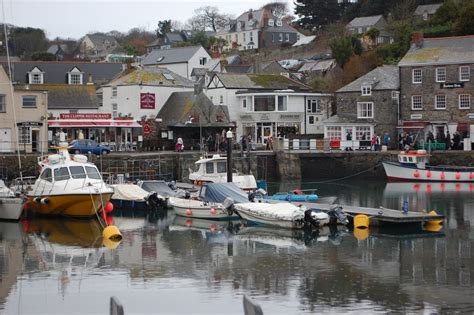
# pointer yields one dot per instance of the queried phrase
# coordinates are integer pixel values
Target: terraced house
(436, 86)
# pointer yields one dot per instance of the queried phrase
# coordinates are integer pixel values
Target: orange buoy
(109, 220)
(213, 227)
(428, 174)
(442, 176)
(458, 187)
(458, 176)
(416, 174)
(471, 176)
(416, 187)
(189, 212)
(428, 188)
(109, 207)
(213, 211)
(189, 223)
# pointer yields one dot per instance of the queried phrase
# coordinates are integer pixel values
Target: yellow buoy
(109, 243)
(361, 221)
(430, 226)
(361, 234)
(111, 234)
(435, 221)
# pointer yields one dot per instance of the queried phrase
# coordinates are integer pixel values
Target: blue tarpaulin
(217, 192)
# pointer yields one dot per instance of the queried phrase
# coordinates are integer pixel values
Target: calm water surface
(171, 265)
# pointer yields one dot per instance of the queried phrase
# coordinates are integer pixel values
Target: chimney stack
(417, 39)
(250, 14)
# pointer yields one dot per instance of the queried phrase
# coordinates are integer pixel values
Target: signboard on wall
(147, 100)
(146, 129)
(85, 116)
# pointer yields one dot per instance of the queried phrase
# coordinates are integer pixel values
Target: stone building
(366, 106)
(436, 85)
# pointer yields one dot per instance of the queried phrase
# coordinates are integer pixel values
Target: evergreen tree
(316, 13)
(464, 24)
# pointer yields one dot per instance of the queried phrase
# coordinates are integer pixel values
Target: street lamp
(229, 136)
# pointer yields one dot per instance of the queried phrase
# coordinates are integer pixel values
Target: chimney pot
(417, 39)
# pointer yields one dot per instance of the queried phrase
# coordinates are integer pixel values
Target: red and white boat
(414, 166)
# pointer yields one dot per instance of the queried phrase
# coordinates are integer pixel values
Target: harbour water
(172, 265)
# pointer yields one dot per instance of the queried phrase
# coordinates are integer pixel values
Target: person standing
(386, 139)
(373, 142)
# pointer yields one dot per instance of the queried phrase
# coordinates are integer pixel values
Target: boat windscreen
(160, 187)
(217, 192)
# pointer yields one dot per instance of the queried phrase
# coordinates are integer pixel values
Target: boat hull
(11, 208)
(74, 205)
(396, 171)
(256, 219)
(199, 209)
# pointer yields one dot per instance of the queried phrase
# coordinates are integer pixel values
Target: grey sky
(75, 18)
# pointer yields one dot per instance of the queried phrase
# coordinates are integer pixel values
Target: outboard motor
(309, 220)
(337, 215)
(172, 185)
(251, 196)
(153, 200)
(229, 205)
(187, 195)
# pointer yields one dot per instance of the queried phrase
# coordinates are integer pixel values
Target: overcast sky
(75, 18)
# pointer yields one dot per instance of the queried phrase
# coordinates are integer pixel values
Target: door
(34, 140)
(5, 140)
(126, 138)
(267, 132)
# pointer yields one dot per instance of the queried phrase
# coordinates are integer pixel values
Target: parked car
(86, 146)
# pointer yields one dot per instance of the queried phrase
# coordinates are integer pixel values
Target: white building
(264, 105)
(181, 60)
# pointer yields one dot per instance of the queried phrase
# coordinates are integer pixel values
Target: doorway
(126, 139)
(5, 140)
(34, 140)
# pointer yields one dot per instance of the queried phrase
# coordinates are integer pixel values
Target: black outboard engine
(229, 205)
(172, 185)
(154, 201)
(309, 220)
(251, 196)
(337, 215)
(187, 195)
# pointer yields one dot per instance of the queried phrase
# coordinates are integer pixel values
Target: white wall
(240, 39)
(194, 61)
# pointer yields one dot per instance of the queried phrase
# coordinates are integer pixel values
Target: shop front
(261, 126)
(122, 134)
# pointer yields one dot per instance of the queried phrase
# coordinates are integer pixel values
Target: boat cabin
(55, 168)
(215, 166)
(418, 158)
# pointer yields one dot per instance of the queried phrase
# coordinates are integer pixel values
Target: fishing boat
(415, 166)
(214, 170)
(209, 202)
(68, 185)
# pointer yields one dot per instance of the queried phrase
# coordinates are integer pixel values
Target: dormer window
(366, 90)
(36, 76)
(279, 22)
(251, 22)
(75, 76)
(271, 22)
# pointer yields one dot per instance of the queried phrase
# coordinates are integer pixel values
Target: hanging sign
(146, 129)
(147, 100)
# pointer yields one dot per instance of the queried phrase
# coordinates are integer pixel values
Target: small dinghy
(130, 196)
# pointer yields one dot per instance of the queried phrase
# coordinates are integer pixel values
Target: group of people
(376, 141)
(452, 143)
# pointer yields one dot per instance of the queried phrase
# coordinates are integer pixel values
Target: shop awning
(463, 127)
(92, 123)
(413, 125)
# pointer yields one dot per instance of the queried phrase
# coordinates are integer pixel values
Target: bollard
(116, 307)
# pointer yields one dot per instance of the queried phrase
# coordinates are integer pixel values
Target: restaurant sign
(147, 100)
(452, 85)
(85, 116)
(29, 124)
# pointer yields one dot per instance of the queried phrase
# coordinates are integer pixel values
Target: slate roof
(53, 49)
(238, 68)
(365, 21)
(99, 39)
(259, 82)
(318, 65)
(55, 72)
(62, 96)
(438, 51)
(212, 63)
(381, 78)
(428, 8)
(152, 76)
(173, 55)
(283, 28)
(181, 105)
(175, 37)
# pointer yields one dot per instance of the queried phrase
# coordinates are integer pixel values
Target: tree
(373, 33)
(209, 17)
(342, 50)
(316, 13)
(278, 9)
(200, 38)
(43, 56)
(163, 28)
(403, 10)
(447, 13)
(24, 41)
(464, 25)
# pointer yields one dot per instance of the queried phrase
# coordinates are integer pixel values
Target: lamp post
(229, 136)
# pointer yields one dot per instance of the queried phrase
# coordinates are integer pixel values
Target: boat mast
(12, 93)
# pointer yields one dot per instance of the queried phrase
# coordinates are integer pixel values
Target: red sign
(146, 129)
(147, 100)
(85, 116)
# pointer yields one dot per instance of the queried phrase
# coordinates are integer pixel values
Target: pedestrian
(179, 147)
(210, 144)
(386, 139)
(243, 143)
(373, 142)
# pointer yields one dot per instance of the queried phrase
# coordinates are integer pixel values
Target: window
(210, 168)
(221, 99)
(287, 37)
(47, 175)
(114, 110)
(440, 101)
(245, 37)
(92, 172)
(464, 73)
(114, 91)
(362, 133)
(440, 74)
(464, 101)
(264, 103)
(77, 172)
(75, 78)
(278, 22)
(334, 132)
(35, 76)
(280, 37)
(251, 36)
(271, 22)
(417, 75)
(416, 102)
(366, 90)
(244, 102)
(282, 103)
(3, 108)
(221, 167)
(313, 106)
(29, 101)
(61, 174)
(365, 110)
(24, 135)
(202, 61)
(311, 120)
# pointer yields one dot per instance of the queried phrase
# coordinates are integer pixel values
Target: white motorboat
(284, 215)
(11, 207)
(131, 196)
(162, 189)
(414, 166)
(214, 170)
(209, 203)
(68, 186)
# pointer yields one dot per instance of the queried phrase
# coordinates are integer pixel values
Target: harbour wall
(271, 166)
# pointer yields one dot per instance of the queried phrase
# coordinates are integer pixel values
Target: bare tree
(278, 9)
(208, 17)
